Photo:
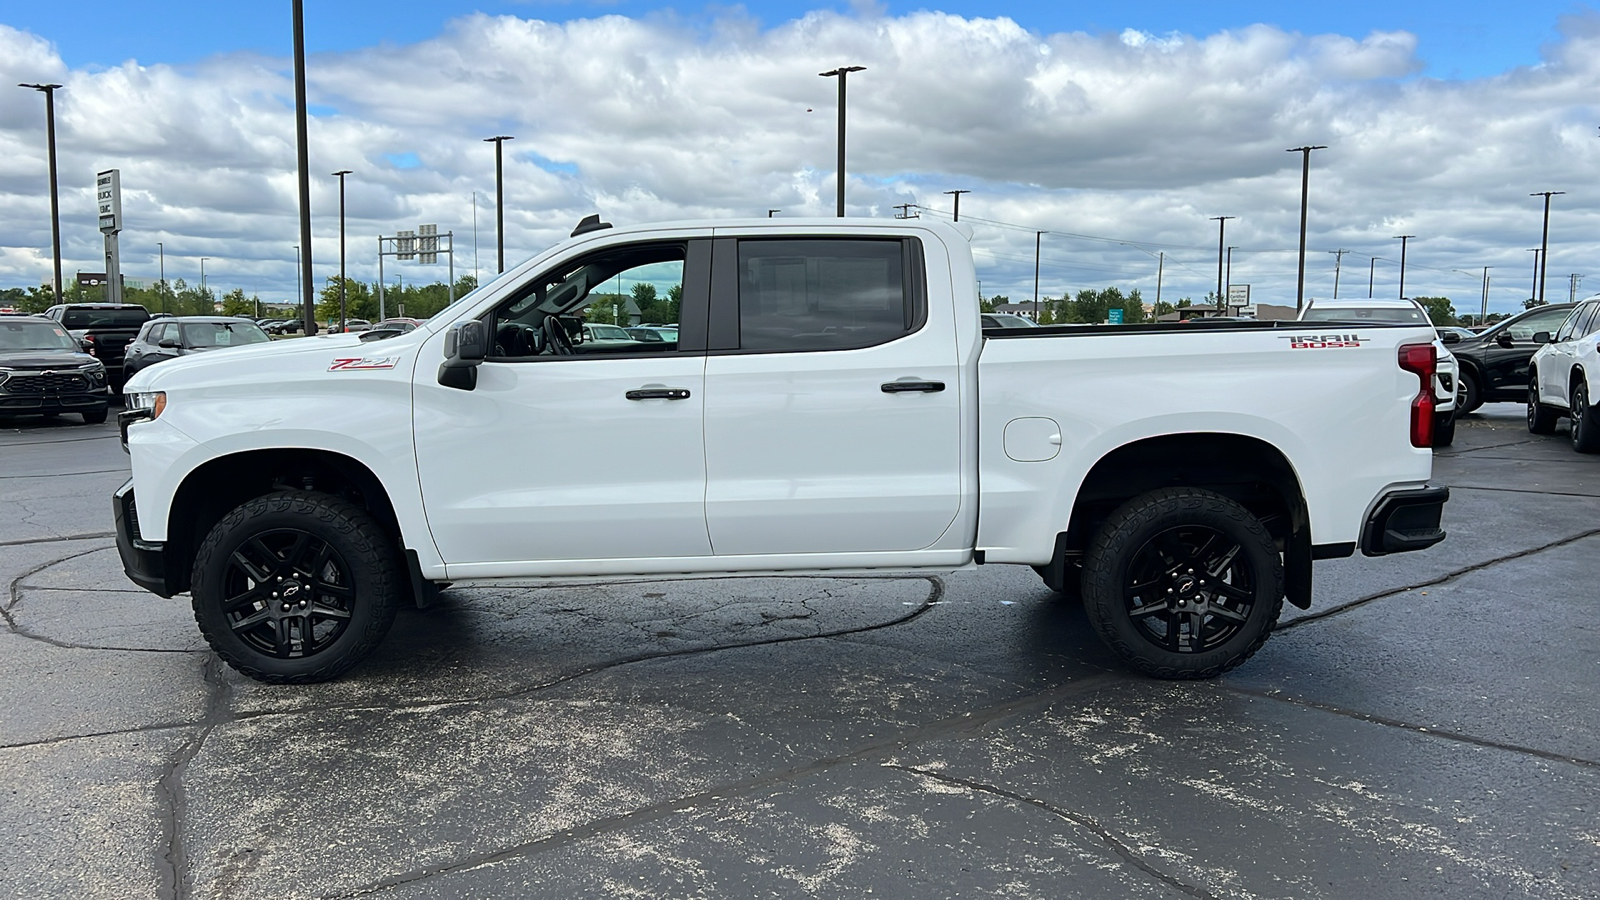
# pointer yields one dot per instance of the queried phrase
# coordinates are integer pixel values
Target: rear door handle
(901, 387)
(658, 394)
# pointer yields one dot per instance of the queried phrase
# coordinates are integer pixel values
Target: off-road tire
(1585, 424)
(1541, 419)
(1137, 525)
(358, 543)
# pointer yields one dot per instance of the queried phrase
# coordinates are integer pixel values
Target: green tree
(360, 302)
(234, 303)
(1440, 311)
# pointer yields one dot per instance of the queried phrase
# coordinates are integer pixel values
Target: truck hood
(44, 359)
(252, 362)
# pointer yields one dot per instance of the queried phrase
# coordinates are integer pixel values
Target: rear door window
(827, 293)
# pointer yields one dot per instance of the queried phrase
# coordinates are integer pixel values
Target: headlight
(154, 401)
(96, 372)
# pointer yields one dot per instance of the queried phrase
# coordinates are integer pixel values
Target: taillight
(1424, 361)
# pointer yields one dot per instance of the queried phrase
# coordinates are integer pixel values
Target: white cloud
(1131, 135)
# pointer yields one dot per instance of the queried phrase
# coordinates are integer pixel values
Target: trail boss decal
(363, 362)
(1322, 341)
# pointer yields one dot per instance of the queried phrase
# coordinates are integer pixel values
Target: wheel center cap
(291, 590)
(1187, 584)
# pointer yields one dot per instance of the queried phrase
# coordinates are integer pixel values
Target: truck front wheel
(1183, 583)
(295, 587)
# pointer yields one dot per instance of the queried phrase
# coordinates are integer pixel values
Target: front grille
(45, 383)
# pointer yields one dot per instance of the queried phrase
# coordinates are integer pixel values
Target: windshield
(35, 336)
(222, 334)
(104, 318)
(1365, 314)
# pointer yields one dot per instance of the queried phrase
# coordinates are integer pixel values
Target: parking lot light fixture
(341, 174)
(49, 91)
(499, 141)
(302, 158)
(1305, 195)
(843, 74)
(1371, 269)
(1222, 229)
(1544, 242)
(1403, 239)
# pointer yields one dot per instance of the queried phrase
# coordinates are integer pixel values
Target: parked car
(600, 336)
(351, 326)
(164, 339)
(850, 418)
(1564, 377)
(1465, 334)
(1409, 312)
(44, 371)
(389, 328)
(1494, 362)
(104, 330)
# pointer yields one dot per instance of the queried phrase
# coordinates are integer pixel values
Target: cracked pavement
(1428, 728)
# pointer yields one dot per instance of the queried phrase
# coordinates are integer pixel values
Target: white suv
(1564, 376)
(1402, 310)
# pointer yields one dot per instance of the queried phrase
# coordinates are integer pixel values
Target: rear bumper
(143, 561)
(1403, 521)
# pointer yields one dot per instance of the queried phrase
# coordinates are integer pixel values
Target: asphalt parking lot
(1428, 729)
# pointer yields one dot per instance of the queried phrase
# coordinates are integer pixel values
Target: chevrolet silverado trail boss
(830, 405)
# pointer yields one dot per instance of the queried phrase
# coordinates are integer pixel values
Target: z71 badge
(364, 362)
(1322, 341)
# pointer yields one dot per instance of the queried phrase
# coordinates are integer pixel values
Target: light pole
(1533, 292)
(298, 288)
(957, 195)
(1338, 263)
(1038, 237)
(341, 174)
(843, 73)
(303, 157)
(203, 278)
(1227, 283)
(499, 141)
(1544, 242)
(1403, 239)
(1371, 267)
(49, 91)
(1305, 193)
(1484, 315)
(1222, 229)
(162, 250)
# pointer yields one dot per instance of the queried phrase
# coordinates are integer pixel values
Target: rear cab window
(809, 294)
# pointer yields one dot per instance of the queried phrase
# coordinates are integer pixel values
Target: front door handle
(658, 394)
(901, 387)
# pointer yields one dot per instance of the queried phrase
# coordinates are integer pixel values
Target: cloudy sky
(1119, 132)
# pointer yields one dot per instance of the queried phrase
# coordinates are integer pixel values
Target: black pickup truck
(104, 330)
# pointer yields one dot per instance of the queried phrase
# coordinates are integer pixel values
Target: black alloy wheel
(295, 587)
(1585, 430)
(1541, 418)
(1468, 397)
(1183, 583)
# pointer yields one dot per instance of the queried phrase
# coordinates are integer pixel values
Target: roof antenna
(590, 223)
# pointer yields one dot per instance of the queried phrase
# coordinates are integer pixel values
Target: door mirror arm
(465, 347)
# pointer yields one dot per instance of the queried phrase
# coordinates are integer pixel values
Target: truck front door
(833, 398)
(565, 451)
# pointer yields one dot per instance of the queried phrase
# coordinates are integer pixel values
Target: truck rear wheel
(1183, 583)
(295, 587)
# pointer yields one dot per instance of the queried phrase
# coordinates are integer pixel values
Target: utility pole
(1338, 262)
(958, 202)
(499, 196)
(1161, 264)
(773, 212)
(1483, 316)
(303, 156)
(1572, 288)
(1533, 293)
(843, 74)
(1305, 194)
(1227, 283)
(905, 211)
(1037, 237)
(1371, 267)
(1403, 239)
(1222, 228)
(1544, 242)
(49, 91)
(161, 249)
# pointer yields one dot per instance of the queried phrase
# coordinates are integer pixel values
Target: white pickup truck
(830, 405)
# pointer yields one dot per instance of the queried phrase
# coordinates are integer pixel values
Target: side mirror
(1449, 337)
(168, 344)
(1541, 337)
(465, 346)
(1503, 339)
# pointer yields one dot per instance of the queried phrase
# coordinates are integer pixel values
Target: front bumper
(143, 561)
(1403, 521)
(32, 404)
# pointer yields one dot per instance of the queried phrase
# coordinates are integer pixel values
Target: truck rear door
(832, 398)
